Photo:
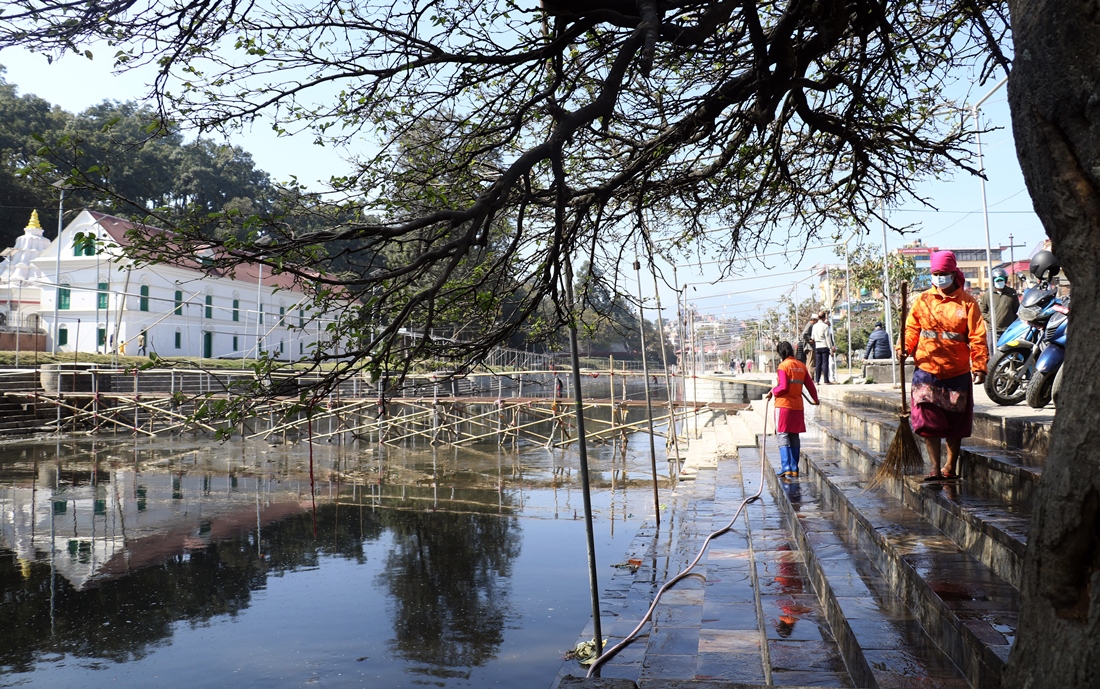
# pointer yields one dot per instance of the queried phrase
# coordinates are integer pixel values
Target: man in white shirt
(823, 346)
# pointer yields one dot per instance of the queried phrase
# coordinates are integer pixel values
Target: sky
(75, 83)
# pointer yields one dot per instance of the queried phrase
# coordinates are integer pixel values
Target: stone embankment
(825, 581)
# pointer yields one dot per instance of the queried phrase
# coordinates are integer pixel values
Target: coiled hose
(611, 652)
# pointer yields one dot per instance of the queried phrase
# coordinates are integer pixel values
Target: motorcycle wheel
(1040, 389)
(1001, 385)
(1057, 387)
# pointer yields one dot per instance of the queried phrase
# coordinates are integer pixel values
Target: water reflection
(106, 547)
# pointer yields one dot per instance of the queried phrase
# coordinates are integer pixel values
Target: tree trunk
(1054, 94)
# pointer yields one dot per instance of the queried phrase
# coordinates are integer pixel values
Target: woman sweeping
(790, 419)
(947, 336)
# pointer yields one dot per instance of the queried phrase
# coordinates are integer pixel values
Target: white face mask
(943, 281)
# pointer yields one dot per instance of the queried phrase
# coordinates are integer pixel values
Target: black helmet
(1044, 266)
(1000, 274)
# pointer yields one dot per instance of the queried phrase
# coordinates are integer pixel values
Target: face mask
(999, 284)
(942, 281)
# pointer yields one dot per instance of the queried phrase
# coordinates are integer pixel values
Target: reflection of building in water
(126, 520)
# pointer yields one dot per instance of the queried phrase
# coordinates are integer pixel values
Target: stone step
(1009, 474)
(967, 608)
(753, 619)
(1025, 429)
(989, 527)
(882, 641)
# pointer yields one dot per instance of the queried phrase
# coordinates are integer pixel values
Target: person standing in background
(823, 346)
(1005, 302)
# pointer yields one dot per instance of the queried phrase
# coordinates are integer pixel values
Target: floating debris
(585, 652)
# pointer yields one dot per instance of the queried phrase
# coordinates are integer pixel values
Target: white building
(106, 303)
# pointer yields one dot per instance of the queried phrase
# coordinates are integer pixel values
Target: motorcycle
(1040, 389)
(1018, 348)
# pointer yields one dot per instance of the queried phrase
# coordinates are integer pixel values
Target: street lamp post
(57, 264)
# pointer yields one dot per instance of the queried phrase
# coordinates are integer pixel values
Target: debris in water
(585, 652)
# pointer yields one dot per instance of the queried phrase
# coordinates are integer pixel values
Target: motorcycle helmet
(1000, 274)
(1044, 266)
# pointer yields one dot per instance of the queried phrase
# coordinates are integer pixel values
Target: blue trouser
(821, 364)
(790, 447)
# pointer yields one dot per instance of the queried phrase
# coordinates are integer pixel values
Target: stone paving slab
(750, 618)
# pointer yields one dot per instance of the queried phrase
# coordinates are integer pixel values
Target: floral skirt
(942, 408)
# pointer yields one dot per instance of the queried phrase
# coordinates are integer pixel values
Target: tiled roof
(117, 228)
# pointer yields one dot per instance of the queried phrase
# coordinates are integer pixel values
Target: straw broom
(903, 456)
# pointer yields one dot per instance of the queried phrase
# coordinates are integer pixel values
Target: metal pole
(985, 218)
(664, 361)
(848, 296)
(18, 316)
(582, 452)
(259, 307)
(57, 278)
(886, 290)
(648, 398)
(1012, 260)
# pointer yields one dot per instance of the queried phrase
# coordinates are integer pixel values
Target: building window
(235, 347)
(301, 318)
(209, 306)
(301, 347)
(179, 302)
(282, 316)
(261, 312)
(100, 337)
(101, 297)
(236, 311)
(64, 298)
(281, 343)
(179, 340)
(62, 336)
(143, 301)
(84, 246)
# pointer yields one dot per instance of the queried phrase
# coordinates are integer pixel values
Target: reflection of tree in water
(448, 573)
(122, 619)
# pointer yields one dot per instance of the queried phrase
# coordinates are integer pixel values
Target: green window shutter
(261, 313)
(236, 312)
(209, 306)
(101, 297)
(62, 337)
(179, 302)
(301, 318)
(143, 302)
(100, 337)
(64, 297)
(179, 340)
(282, 316)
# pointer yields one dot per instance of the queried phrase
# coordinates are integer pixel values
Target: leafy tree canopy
(514, 139)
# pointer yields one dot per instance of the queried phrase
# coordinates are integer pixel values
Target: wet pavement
(752, 617)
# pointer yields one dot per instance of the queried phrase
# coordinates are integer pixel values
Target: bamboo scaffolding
(610, 431)
(84, 413)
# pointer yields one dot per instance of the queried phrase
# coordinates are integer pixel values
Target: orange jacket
(796, 375)
(945, 334)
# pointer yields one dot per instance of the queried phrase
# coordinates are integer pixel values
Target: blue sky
(75, 82)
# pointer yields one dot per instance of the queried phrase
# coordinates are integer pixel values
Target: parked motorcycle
(1040, 389)
(1012, 366)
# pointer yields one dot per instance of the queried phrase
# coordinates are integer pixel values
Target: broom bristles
(903, 456)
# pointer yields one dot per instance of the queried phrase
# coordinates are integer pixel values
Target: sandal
(950, 476)
(934, 476)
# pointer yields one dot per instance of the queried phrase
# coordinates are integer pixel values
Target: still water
(176, 562)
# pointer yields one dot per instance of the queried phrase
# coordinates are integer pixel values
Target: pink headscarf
(944, 261)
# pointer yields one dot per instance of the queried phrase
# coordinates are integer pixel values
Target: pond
(185, 562)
